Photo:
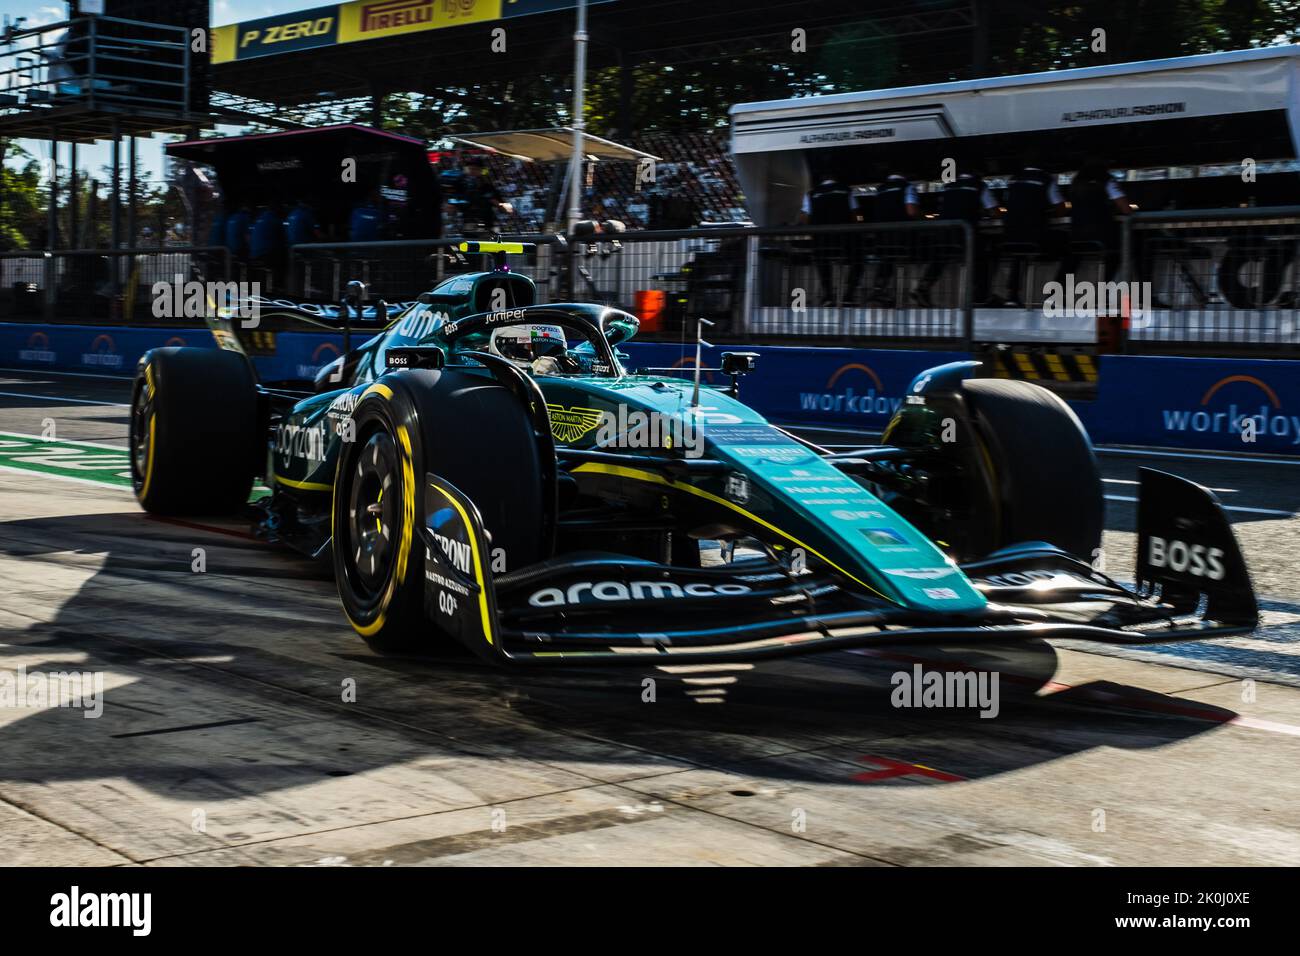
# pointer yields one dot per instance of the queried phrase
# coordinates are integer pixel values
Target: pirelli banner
(363, 20)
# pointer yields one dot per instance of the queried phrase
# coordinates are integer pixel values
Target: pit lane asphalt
(226, 737)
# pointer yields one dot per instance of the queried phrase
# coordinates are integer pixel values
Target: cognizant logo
(861, 394)
(1242, 418)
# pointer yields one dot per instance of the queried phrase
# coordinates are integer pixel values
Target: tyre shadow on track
(258, 639)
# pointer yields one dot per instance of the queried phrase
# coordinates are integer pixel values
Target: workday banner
(1231, 405)
(1240, 405)
(850, 388)
(114, 351)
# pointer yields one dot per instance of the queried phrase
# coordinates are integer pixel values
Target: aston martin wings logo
(570, 424)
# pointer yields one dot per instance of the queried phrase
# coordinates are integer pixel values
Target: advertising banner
(1241, 405)
(1230, 405)
(286, 33)
(372, 19)
(364, 20)
(850, 388)
(115, 351)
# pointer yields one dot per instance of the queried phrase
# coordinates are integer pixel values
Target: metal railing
(398, 268)
(94, 62)
(1209, 282)
(890, 282)
(1215, 278)
(95, 286)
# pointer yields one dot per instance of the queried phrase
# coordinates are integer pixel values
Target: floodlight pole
(579, 125)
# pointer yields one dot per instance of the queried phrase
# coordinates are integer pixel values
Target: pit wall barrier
(1157, 401)
(114, 351)
(1170, 402)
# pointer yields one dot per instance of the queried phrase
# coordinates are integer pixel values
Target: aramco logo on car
(853, 389)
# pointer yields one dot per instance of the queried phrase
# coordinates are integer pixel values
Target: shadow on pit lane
(203, 650)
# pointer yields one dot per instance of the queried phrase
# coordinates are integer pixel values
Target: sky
(94, 158)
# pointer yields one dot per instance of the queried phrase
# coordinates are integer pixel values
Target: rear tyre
(1045, 478)
(194, 426)
(466, 428)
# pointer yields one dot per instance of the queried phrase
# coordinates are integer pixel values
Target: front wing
(1191, 583)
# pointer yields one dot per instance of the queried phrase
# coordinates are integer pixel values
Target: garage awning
(550, 145)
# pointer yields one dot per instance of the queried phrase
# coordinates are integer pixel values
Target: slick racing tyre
(464, 427)
(1044, 475)
(194, 429)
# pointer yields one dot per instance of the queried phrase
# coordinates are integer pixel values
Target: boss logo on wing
(586, 592)
(1194, 559)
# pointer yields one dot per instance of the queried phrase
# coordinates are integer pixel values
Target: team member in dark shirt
(1097, 207)
(827, 204)
(895, 201)
(965, 199)
(1033, 198)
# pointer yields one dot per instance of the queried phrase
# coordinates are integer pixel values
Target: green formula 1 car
(486, 469)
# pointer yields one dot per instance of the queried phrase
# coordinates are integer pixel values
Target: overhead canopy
(343, 136)
(270, 170)
(550, 145)
(1183, 111)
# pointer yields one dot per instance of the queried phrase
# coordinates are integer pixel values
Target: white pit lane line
(1272, 512)
(42, 372)
(870, 437)
(62, 400)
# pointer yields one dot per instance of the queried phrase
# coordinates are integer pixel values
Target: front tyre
(1045, 481)
(378, 561)
(463, 426)
(193, 432)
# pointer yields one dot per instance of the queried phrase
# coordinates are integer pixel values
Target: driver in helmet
(539, 348)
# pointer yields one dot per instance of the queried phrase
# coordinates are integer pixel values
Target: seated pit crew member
(236, 226)
(300, 225)
(540, 349)
(266, 236)
(363, 224)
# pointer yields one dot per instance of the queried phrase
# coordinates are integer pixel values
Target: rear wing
(251, 325)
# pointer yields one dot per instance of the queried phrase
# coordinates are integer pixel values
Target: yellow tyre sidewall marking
(408, 522)
(153, 418)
